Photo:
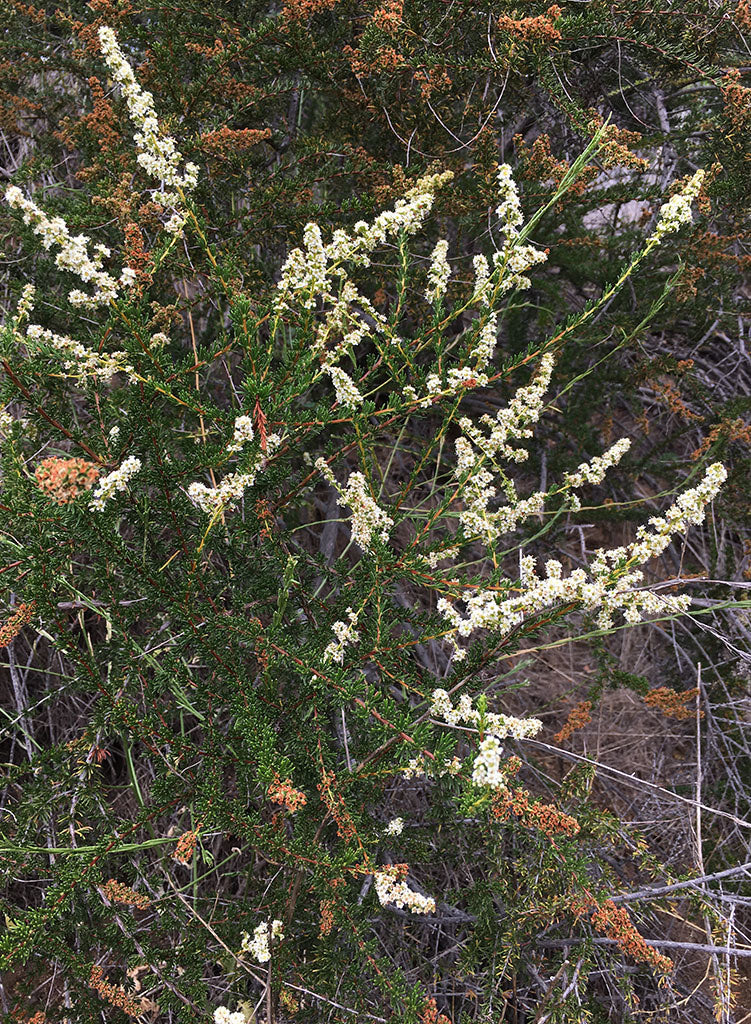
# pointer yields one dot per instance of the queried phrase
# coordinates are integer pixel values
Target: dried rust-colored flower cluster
(671, 703)
(540, 29)
(62, 480)
(668, 392)
(283, 792)
(385, 60)
(430, 1014)
(737, 99)
(114, 994)
(430, 80)
(334, 801)
(617, 141)
(327, 908)
(544, 817)
(185, 847)
(388, 17)
(19, 617)
(578, 717)
(615, 924)
(136, 255)
(294, 11)
(118, 892)
(743, 14)
(226, 142)
(537, 163)
(726, 429)
(10, 629)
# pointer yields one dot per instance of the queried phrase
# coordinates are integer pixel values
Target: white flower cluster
(487, 769)
(439, 272)
(82, 362)
(517, 259)
(346, 319)
(158, 154)
(212, 500)
(689, 508)
(418, 767)
(513, 257)
(434, 557)
(395, 827)
(7, 421)
(367, 517)
(316, 277)
(26, 302)
(243, 433)
(509, 266)
(594, 472)
(222, 1015)
(485, 347)
(482, 279)
(510, 210)
(307, 272)
(345, 634)
(516, 420)
(392, 891)
(609, 585)
(115, 481)
(513, 422)
(347, 394)
(677, 211)
(457, 377)
(263, 935)
(325, 470)
(500, 726)
(74, 253)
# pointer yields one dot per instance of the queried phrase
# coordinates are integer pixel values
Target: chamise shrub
(283, 565)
